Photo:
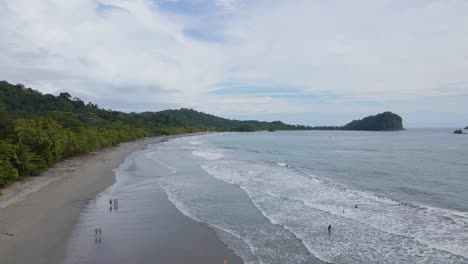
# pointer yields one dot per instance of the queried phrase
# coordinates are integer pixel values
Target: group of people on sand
(114, 202)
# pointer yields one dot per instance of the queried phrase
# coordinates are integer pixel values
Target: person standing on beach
(110, 201)
(97, 239)
(329, 229)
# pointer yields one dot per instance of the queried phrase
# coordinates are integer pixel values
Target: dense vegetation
(37, 130)
(202, 121)
(384, 121)
(246, 128)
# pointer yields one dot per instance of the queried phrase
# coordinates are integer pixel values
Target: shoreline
(42, 211)
(42, 215)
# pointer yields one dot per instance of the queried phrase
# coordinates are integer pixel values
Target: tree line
(29, 146)
(37, 130)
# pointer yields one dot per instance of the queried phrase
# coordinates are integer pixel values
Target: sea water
(391, 197)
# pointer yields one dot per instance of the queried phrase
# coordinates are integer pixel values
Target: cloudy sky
(310, 62)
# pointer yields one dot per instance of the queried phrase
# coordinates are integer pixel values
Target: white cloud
(374, 55)
(228, 5)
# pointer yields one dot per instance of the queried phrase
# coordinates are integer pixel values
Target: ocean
(390, 197)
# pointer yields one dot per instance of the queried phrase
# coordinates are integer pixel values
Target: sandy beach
(42, 212)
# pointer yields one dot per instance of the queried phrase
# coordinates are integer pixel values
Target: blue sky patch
(204, 35)
(187, 7)
(101, 8)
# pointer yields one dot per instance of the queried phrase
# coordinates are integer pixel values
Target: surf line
(171, 169)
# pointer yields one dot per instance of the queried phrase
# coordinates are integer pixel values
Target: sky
(312, 62)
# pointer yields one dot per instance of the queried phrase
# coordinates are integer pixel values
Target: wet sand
(42, 212)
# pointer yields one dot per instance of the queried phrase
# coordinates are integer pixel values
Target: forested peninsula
(37, 130)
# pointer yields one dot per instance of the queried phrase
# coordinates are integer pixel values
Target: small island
(466, 128)
(459, 131)
(386, 121)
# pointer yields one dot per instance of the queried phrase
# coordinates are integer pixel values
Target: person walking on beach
(329, 229)
(97, 239)
(110, 201)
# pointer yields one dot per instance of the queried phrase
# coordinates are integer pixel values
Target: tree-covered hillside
(37, 130)
(206, 121)
(381, 122)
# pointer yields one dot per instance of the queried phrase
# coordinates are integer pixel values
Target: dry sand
(41, 212)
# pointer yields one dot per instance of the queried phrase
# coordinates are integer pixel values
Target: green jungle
(37, 130)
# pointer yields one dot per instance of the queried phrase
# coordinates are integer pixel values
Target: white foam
(207, 155)
(430, 231)
(153, 156)
(186, 210)
(381, 230)
(190, 201)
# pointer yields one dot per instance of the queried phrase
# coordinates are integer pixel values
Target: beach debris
(8, 234)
